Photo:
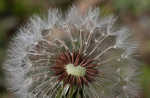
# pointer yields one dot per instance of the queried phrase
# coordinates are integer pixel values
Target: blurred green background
(135, 13)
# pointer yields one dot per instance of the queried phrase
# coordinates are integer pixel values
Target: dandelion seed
(75, 57)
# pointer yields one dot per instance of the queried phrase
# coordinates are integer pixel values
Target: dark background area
(134, 13)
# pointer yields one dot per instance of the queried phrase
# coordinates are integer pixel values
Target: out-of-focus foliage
(60, 2)
(134, 6)
(2, 5)
(146, 81)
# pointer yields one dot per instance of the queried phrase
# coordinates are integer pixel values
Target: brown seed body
(76, 59)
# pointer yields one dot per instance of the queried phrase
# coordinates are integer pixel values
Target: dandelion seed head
(73, 57)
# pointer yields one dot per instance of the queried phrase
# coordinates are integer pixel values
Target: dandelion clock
(79, 56)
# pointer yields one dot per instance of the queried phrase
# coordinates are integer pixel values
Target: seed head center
(75, 70)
